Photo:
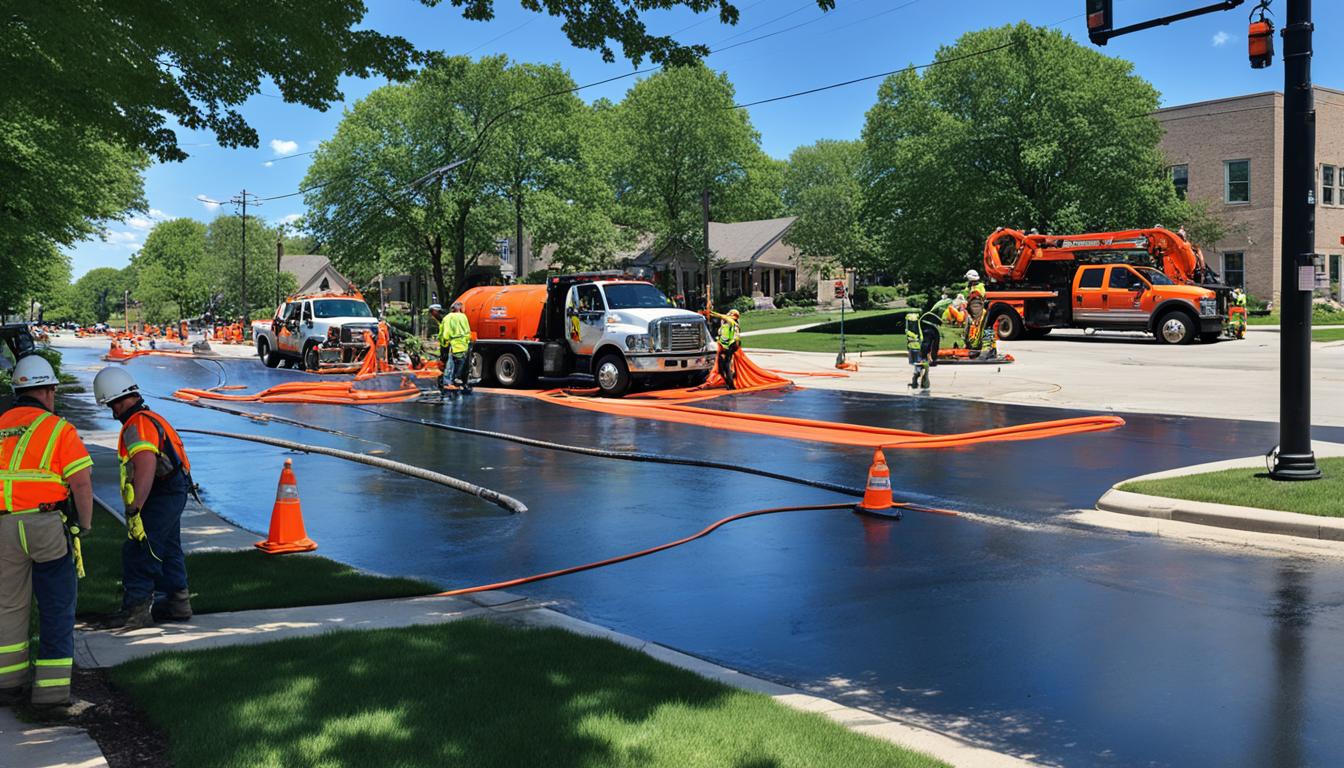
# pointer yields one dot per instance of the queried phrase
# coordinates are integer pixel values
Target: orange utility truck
(1148, 280)
(617, 329)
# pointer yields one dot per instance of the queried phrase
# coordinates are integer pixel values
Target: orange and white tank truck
(619, 330)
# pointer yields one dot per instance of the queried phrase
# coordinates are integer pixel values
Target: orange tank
(510, 312)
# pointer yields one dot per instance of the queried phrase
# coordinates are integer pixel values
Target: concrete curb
(1239, 518)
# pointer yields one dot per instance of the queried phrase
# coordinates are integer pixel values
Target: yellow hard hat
(734, 313)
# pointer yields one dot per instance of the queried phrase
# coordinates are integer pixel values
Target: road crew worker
(155, 481)
(981, 343)
(729, 342)
(973, 285)
(454, 342)
(46, 502)
(914, 348)
(931, 325)
(1238, 315)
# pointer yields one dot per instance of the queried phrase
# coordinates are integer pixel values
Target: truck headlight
(639, 342)
(1208, 307)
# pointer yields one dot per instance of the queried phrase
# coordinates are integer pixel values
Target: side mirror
(1136, 286)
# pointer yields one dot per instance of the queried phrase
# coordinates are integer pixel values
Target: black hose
(624, 455)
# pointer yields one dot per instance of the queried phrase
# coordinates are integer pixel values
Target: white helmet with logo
(113, 383)
(33, 371)
(971, 274)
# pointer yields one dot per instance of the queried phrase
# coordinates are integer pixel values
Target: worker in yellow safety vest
(729, 342)
(46, 504)
(454, 344)
(974, 287)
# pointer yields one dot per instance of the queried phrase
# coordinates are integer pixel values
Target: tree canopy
(1044, 133)
(822, 188)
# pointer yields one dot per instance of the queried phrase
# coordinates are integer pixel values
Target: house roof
(744, 243)
(306, 267)
(741, 244)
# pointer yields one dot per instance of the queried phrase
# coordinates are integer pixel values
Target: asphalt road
(1073, 646)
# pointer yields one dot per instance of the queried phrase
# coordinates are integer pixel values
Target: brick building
(1230, 153)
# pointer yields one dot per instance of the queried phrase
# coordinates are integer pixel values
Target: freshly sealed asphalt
(1069, 645)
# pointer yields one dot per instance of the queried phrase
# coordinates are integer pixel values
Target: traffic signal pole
(1295, 460)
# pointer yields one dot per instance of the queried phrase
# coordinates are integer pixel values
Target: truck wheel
(312, 359)
(1175, 327)
(480, 369)
(268, 358)
(612, 374)
(511, 370)
(1007, 325)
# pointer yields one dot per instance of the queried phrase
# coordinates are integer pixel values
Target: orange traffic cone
(287, 533)
(877, 495)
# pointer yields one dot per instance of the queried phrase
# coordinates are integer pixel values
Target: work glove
(135, 527)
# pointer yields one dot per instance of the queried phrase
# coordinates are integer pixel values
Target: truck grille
(355, 333)
(678, 335)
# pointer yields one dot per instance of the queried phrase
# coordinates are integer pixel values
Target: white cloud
(282, 147)
(1219, 40)
(129, 240)
(268, 164)
(155, 213)
(139, 222)
(209, 204)
(291, 218)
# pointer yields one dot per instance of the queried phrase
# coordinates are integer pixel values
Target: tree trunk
(436, 263)
(518, 245)
(460, 251)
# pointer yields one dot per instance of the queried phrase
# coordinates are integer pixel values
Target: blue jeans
(157, 564)
(55, 586)
(462, 371)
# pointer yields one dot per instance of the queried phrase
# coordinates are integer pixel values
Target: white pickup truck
(316, 331)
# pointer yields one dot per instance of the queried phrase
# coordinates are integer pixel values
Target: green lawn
(472, 693)
(1319, 318)
(826, 342)
(1327, 334)
(235, 581)
(1250, 488)
(763, 319)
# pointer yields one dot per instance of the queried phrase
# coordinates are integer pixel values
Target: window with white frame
(1234, 269)
(1180, 179)
(1328, 185)
(1237, 181)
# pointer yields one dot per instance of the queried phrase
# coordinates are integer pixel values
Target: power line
(824, 15)
(497, 38)
(911, 68)
(709, 17)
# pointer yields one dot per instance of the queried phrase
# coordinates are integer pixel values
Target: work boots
(138, 616)
(175, 607)
(924, 380)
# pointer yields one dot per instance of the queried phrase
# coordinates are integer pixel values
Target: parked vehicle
(617, 329)
(315, 331)
(1138, 280)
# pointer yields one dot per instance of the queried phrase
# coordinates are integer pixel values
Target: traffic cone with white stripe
(877, 494)
(287, 533)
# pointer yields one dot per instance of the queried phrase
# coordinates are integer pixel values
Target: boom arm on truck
(1009, 253)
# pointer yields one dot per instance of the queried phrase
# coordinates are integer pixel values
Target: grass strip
(1252, 488)
(1317, 318)
(826, 342)
(472, 693)
(763, 319)
(1327, 334)
(236, 581)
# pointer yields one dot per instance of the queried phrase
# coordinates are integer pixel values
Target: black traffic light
(1099, 16)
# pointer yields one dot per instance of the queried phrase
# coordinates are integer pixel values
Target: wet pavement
(1075, 646)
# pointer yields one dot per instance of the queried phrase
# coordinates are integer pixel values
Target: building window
(1234, 269)
(1327, 185)
(1237, 181)
(1180, 179)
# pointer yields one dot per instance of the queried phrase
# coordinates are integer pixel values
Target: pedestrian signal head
(1099, 20)
(113, 383)
(1260, 39)
(33, 371)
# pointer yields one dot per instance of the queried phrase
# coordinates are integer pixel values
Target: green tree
(1044, 133)
(173, 276)
(223, 272)
(61, 184)
(822, 188)
(97, 294)
(680, 136)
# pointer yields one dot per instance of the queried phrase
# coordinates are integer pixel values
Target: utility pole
(279, 253)
(1295, 460)
(704, 221)
(242, 199)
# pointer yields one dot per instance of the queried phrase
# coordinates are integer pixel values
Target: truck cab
(614, 328)
(1140, 298)
(316, 331)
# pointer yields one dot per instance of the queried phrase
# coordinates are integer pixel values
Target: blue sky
(1199, 59)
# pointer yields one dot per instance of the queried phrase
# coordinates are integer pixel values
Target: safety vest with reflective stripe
(455, 333)
(29, 439)
(166, 444)
(728, 333)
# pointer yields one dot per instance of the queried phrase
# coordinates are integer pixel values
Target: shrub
(744, 304)
(796, 299)
(916, 300)
(882, 294)
(860, 298)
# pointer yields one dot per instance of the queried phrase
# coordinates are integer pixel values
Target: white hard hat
(113, 383)
(435, 307)
(33, 371)
(971, 274)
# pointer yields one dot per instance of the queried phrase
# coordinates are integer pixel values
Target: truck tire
(480, 369)
(612, 374)
(1007, 324)
(312, 358)
(511, 370)
(1175, 327)
(268, 357)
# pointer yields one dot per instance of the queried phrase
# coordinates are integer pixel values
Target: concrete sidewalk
(25, 745)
